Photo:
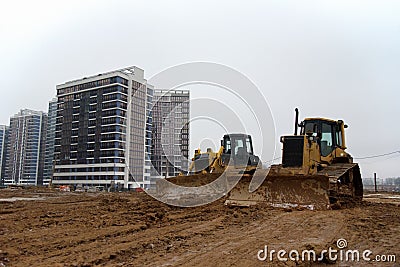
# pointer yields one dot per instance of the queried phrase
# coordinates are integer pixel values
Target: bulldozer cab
(239, 148)
(236, 150)
(329, 135)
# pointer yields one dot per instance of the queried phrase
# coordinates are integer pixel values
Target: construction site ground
(46, 227)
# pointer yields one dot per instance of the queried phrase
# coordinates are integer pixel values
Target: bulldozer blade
(309, 192)
(197, 189)
(258, 178)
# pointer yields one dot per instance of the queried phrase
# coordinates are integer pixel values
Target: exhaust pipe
(296, 122)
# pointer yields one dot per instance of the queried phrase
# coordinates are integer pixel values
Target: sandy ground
(42, 227)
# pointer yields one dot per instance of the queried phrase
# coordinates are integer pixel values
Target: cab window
(339, 141)
(227, 146)
(310, 127)
(248, 145)
(239, 146)
(327, 145)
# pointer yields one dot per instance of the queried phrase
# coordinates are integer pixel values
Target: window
(227, 147)
(339, 141)
(326, 139)
(310, 127)
(238, 146)
(248, 145)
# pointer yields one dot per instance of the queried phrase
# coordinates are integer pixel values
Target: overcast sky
(337, 59)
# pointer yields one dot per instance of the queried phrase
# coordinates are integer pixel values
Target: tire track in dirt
(280, 231)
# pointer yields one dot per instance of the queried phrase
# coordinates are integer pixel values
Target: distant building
(148, 137)
(103, 133)
(3, 151)
(170, 145)
(49, 142)
(24, 160)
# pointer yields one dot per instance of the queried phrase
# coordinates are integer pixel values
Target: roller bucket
(300, 191)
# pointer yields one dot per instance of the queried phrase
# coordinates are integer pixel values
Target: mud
(132, 229)
(194, 180)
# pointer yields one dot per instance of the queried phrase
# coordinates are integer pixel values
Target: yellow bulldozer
(316, 172)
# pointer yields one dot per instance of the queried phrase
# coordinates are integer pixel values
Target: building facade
(170, 133)
(148, 135)
(49, 142)
(24, 157)
(3, 151)
(101, 130)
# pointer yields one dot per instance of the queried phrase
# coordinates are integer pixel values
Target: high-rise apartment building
(3, 151)
(102, 130)
(148, 137)
(49, 142)
(24, 160)
(170, 145)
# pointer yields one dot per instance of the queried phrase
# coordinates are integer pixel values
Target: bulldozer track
(336, 170)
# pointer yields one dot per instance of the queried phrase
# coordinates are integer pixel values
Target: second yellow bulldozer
(236, 151)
